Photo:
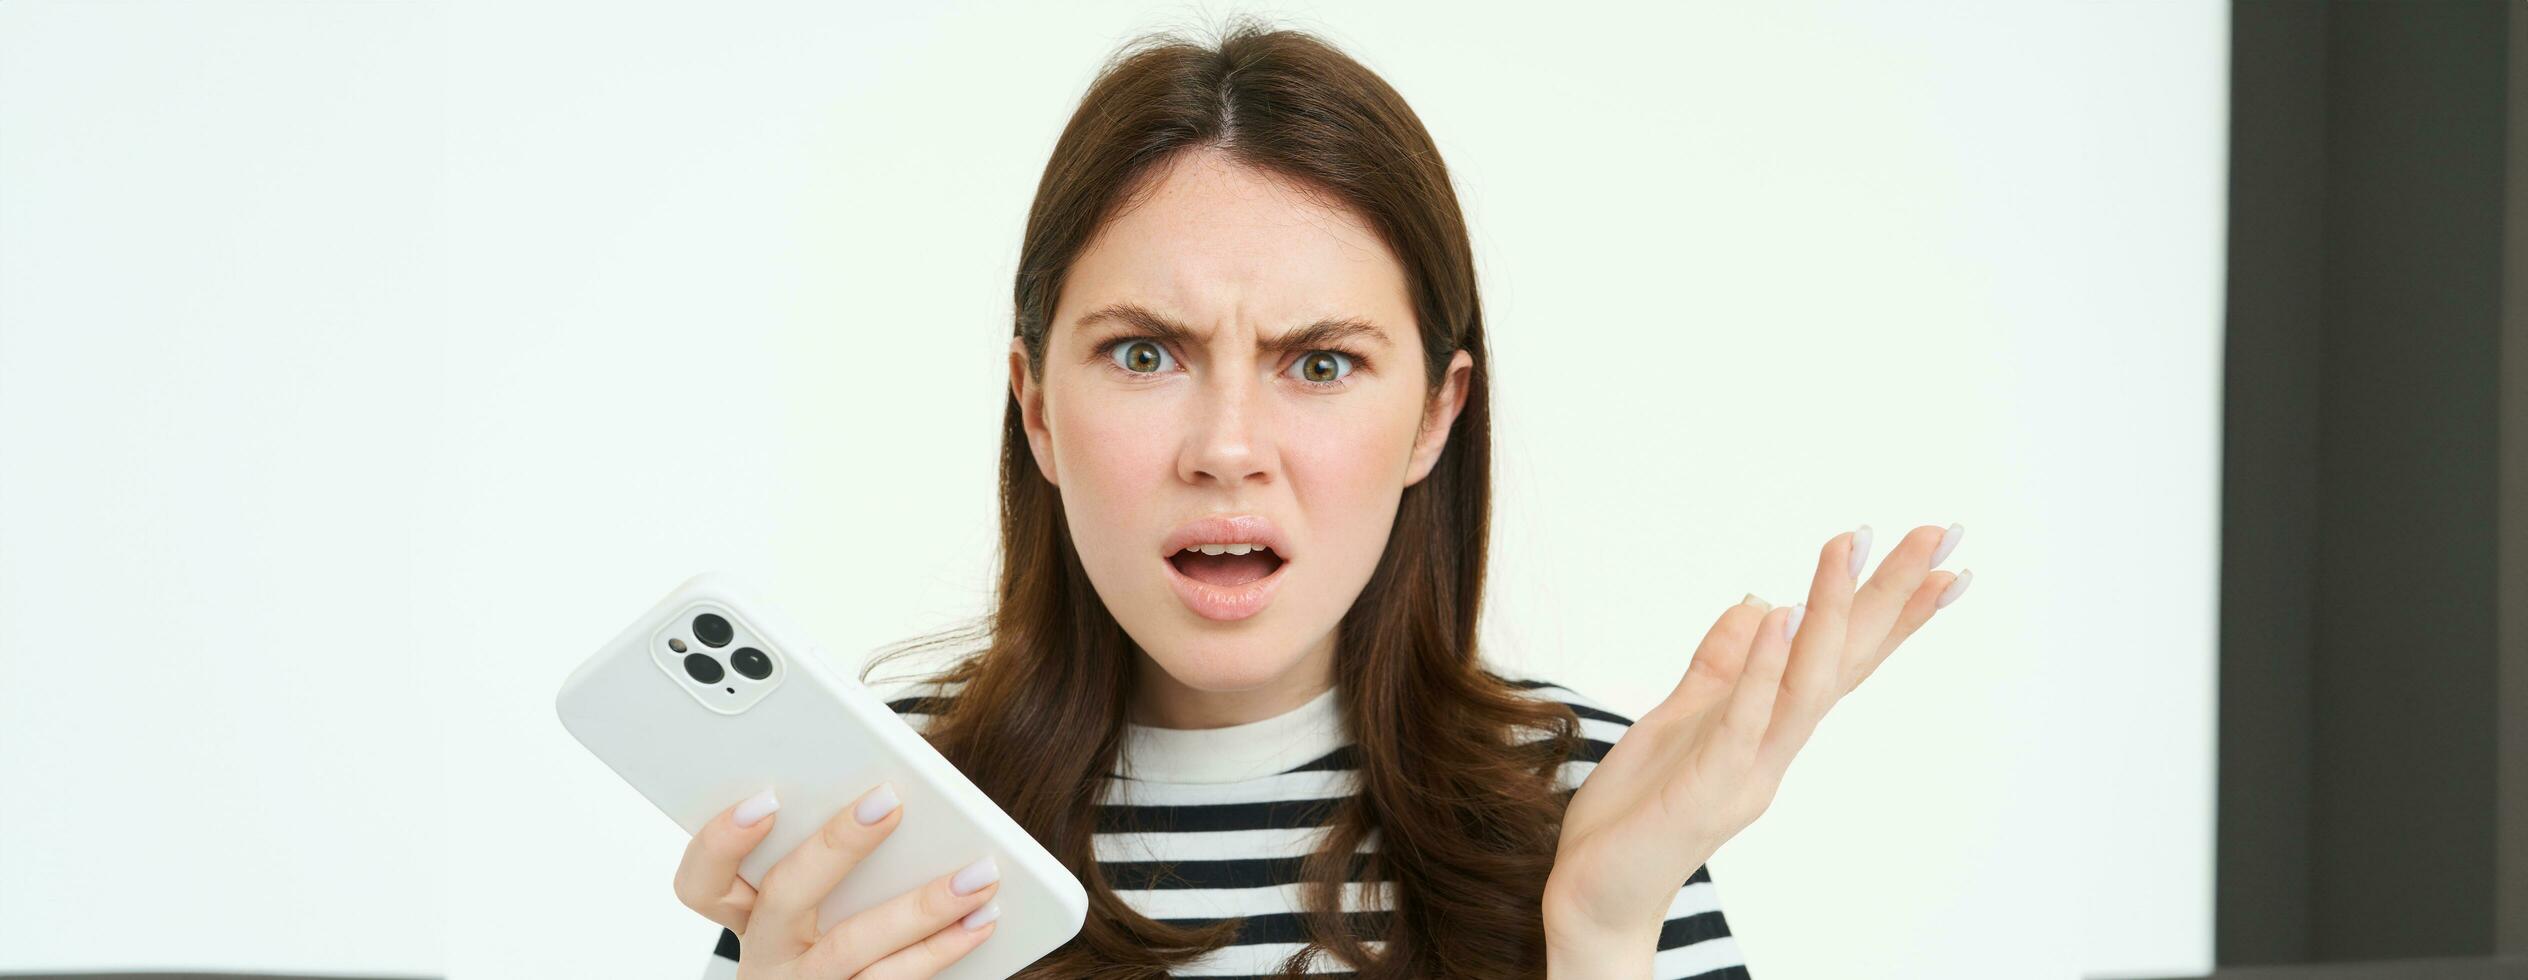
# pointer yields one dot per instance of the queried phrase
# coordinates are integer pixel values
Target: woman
(1231, 677)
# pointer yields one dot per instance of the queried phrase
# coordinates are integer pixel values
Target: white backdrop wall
(367, 364)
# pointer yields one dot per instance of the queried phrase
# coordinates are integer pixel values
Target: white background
(364, 365)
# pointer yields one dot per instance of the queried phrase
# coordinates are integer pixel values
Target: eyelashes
(1348, 361)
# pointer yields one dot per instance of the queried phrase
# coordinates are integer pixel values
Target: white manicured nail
(974, 876)
(875, 806)
(981, 917)
(1948, 542)
(1790, 629)
(1751, 600)
(1955, 589)
(756, 808)
(1860, 550)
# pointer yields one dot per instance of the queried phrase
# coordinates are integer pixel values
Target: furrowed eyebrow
(1314, 336)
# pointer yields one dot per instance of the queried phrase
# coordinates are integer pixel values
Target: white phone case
(819, 738)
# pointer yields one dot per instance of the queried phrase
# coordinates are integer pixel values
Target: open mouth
(1226, 567)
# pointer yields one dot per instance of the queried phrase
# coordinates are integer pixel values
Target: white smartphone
(709, 697)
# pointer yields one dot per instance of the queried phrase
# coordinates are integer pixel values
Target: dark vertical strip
(2402, 837)
(2269, 480)
(2371, 578)
(2510, 911)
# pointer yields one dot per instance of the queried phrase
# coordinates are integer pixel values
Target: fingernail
(981, 917)
(1955, 589)
(1860, 550)
(756, 808)
(875, 806)
(1751, 600)
(1790, 629)
(974, 876)
(1948, 541)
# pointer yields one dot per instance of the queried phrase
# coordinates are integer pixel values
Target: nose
(1228, 439)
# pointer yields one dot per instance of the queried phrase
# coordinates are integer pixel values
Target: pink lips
(1226, 603)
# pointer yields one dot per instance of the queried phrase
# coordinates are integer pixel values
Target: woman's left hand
(1703, 764)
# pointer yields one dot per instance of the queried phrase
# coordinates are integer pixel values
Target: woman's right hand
(915, 934)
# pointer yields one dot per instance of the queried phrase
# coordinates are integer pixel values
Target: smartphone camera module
(706, 647)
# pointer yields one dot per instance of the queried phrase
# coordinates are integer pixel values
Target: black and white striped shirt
(1243, 805)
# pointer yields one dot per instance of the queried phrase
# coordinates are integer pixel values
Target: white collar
(1237, 752)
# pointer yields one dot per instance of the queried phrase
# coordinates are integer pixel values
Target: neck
(1162, 701)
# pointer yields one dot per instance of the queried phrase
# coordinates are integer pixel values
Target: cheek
(1342, 460)
(1346, 477)
(1115, 468)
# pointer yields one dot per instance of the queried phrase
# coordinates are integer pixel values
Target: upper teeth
(1226, 549)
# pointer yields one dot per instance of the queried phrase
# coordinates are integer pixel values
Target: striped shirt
(1242, 805)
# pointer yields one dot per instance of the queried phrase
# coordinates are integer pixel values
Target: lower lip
(1225, 603)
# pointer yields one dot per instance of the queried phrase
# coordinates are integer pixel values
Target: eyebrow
(1314, 336)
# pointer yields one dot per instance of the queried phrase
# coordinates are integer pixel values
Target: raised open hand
(1704, 763)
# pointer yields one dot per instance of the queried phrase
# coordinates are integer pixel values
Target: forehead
(1214, 242)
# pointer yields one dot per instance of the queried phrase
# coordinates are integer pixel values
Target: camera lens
(751, 662)
(703, 668)
(711, 629)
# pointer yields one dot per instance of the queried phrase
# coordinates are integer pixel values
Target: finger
(933, 954)
(707, 880)
(786, 906)
(1750, 707)
(1918, 610)
(1716, 663)
(1810, 682)
(857, 942)
(1883, 598)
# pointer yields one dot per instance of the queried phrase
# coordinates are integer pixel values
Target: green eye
(1324, 366)
(1140, 356)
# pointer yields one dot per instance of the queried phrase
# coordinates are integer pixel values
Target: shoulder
(1588, 708)
(1600, 726)
(1694, 937)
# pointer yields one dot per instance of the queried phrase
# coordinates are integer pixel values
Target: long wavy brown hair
(1466, 806)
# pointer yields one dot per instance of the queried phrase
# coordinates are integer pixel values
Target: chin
(1216, 666)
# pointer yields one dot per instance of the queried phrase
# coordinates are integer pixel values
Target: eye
(1140, 357)
(1324, 367)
